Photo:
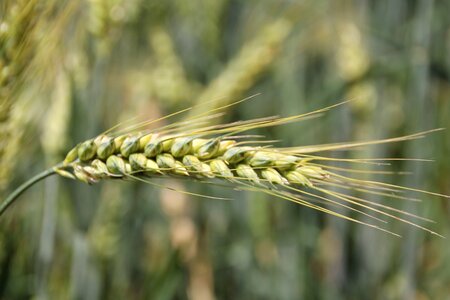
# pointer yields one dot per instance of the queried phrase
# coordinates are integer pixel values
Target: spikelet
(211, 153)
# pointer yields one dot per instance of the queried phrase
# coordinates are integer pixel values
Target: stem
(23, 187)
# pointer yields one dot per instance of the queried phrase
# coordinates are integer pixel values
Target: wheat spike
(17, 48)
(220, 153)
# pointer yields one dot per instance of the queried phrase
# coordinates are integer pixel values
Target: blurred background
(71, 69)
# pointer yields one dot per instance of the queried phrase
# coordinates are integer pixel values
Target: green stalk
(23, 187)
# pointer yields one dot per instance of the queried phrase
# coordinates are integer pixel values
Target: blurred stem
(22, 188)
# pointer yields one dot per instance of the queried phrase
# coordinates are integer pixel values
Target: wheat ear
(193, 150)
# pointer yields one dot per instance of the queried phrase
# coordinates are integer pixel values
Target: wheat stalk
(194, 150)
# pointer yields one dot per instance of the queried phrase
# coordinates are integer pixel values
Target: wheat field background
(71, 69)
